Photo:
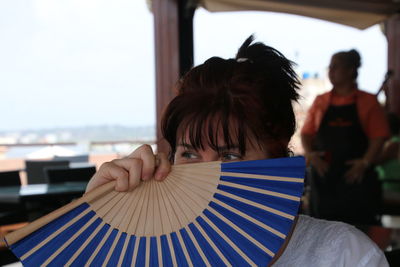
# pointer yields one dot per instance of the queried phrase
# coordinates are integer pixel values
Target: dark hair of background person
(350, 59)
(250, 95)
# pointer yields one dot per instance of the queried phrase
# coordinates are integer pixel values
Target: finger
(143, 149)
(146, 154)
(352, 176)
(163, 168)
(134, 169)
(358, 175)
(113, 171)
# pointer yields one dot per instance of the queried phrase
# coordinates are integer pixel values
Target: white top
(317, 243)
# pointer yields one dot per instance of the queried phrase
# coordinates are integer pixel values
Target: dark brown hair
(350, 59)
(251, 94)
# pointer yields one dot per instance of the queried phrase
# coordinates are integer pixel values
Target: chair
(63, 174)
(11, 213)
(78, 158)
(35, 169)
(10, 178)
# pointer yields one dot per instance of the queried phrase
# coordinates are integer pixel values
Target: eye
(189, 155)
(230, 156)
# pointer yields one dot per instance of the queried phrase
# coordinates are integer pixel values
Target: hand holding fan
(202, 214)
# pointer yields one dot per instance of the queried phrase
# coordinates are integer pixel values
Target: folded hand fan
(202, 214)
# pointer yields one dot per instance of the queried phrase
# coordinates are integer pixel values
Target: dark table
(38, 200)
(18, 194)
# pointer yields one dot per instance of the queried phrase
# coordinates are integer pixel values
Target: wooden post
(173, 29)
(167, 57)
(393, 37)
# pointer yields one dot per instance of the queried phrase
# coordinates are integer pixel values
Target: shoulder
(365, 94)
(323, 98)
(328, 232)
(325, 243)
(372, 115)
(321, 101)
(367, 98)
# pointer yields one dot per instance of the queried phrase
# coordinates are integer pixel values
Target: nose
(210, 156)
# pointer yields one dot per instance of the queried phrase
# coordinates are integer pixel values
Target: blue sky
(77, 63)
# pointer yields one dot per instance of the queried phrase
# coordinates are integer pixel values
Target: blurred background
(78, 78)
(81, 74)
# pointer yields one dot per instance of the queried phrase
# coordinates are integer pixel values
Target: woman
(343, 133)
(241, 109)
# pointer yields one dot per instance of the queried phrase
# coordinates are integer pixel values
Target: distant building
(3, 150)
(8, 140)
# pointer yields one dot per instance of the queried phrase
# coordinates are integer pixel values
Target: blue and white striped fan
(202, 214)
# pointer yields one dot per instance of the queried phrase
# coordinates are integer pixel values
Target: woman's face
(339, 73)
(186, 153)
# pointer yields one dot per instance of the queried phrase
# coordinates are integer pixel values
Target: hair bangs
(219, 129)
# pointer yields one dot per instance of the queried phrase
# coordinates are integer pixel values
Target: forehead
(336, 61)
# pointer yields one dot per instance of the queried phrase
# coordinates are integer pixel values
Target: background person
(343, 133)
(389, 160)
(241, 109)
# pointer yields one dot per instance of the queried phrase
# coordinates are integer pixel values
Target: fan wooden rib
(202, 214)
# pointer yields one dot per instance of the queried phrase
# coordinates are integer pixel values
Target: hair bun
(355, 57)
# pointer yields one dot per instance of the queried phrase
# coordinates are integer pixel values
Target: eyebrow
(220, 148)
